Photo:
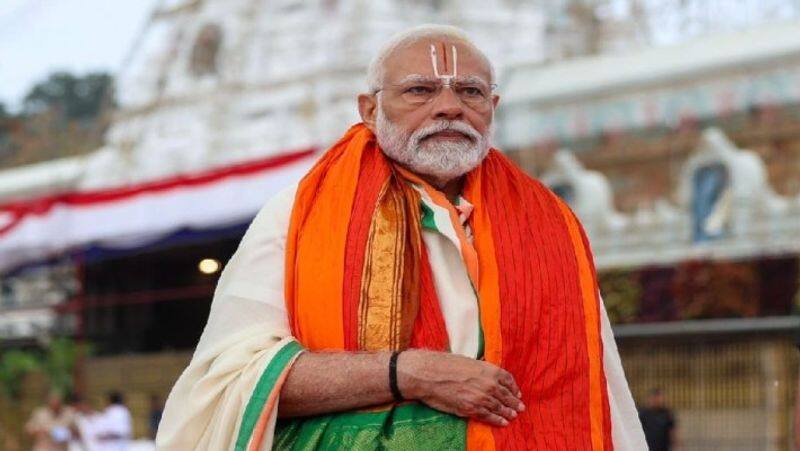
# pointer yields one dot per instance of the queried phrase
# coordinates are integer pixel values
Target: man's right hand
(459, 385)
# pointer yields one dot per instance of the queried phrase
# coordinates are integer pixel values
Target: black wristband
(393, 377)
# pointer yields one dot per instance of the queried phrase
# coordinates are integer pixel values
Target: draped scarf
(357, 277)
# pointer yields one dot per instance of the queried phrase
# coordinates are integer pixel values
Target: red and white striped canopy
(39, 228)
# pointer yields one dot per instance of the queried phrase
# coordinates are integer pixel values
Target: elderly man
(416, 290)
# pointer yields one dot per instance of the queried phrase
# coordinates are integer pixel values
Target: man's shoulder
(282, 200)
(277, 210)
(286, 195)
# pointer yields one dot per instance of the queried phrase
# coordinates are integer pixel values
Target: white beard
(443, 161)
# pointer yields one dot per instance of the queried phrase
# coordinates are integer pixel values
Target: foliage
(62, 116)
(58, 363)
(706, 289)
(14, 365)
(621, 292)
(56, 360)
(73, 98)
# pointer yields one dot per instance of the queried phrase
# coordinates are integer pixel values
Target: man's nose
(447, 105)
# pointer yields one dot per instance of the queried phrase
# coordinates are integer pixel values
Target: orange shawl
(357, 278)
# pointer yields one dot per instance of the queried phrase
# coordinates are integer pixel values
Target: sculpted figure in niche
(204, 53)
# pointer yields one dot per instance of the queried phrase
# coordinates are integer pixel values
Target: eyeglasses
(472, 93)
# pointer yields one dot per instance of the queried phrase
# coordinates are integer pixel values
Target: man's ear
(495, 100)
(368, 109)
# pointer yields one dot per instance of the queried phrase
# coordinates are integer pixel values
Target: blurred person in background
(154, 415)
(350, 314)
(50, 425)
(86, 425)
(658, 422)
(115, 427)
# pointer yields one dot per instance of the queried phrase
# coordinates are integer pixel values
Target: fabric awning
(138, 215)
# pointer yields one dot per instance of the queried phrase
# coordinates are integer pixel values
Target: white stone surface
(288, 73)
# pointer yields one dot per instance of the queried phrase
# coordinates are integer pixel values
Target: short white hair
(403, 39)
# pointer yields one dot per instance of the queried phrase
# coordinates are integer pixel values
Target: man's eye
(418, 90)
(472, 91)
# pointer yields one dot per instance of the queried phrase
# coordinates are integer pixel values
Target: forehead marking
(446, 77)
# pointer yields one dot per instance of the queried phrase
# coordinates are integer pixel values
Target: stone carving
(725, 209)
(725, 187)
(203, 60)
(588, 193)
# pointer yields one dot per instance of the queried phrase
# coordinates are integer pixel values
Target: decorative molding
(750, 218)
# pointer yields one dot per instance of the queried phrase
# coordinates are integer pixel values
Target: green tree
(73, 98)
(58, 363)
(14, 365)
(61, 116)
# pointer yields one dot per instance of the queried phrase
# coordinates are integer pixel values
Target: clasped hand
(459, 385)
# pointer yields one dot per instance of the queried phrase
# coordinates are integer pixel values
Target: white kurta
(250, 294)
(116, 420)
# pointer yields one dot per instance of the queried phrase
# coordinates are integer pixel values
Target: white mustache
(441, 126)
